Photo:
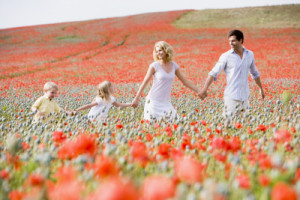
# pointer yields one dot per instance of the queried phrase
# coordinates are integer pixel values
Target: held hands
(135, 103)
(71, 113)
(202, 94)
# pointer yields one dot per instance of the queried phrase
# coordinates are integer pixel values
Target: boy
(45, 106)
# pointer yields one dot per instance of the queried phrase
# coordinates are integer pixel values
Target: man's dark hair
(238, 34)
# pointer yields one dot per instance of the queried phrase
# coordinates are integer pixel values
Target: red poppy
(283, 191)
(262, 128)
(283, 136)
(188, 169)
(4, 174)
(35, 180)
(164, 150)
(105, 166)
(158, 188)
(115, 189)
(264, 180)
(59, 137)
(16, 195)
(244, 181)
(238, 125)
(139, 152)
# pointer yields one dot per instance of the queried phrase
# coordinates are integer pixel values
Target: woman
(163, 71)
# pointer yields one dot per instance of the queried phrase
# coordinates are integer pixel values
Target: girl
(163, 71)
(102, 103)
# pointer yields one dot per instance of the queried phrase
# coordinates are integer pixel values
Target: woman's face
(111, 88)
(161, 54)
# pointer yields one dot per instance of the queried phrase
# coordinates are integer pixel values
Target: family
(237, 63)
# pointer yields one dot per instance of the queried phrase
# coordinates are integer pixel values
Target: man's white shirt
(237, 71)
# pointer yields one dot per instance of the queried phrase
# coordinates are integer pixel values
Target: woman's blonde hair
(104, 91)
(167, 48)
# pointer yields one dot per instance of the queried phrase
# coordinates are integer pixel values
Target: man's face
(234, 43)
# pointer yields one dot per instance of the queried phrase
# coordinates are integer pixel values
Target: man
(237, 63)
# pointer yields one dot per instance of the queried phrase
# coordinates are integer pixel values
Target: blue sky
(16, 13)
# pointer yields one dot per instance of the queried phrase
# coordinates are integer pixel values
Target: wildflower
(188, 169)
(282, 191)
(115, 189)
(264, 180)
(158, 188)
(283, 136)
(243, 181)
(59, 137)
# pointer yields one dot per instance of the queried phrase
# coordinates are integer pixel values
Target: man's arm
(258, 82)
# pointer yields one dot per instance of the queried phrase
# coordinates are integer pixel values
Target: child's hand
(40, 114)
(71, 113)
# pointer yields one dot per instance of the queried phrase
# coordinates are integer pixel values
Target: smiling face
(234, 43)
(51, 93)
(161, 54)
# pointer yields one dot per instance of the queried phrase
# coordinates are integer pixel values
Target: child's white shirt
(99, 112)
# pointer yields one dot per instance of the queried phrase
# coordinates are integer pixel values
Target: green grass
(284, 16)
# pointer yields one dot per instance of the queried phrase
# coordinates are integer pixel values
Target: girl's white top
(99, 112)
(162, 82)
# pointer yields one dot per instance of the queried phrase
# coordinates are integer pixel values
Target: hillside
(120, 49)
(285, 16)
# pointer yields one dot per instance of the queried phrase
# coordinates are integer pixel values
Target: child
(45, 106)
(102, 103)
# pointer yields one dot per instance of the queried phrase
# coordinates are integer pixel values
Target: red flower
(158, 188)
(282, 191)
(164, 150)
(238, 125)
(149, 137)
(188, 169)
(35, 180)
(119, 126)
(283, 136)
(115, 189)
(16, 195)
(264, 180)
(59, 137)
(4, 174)
(262, 128)
(83, 144)
(105, 166)
(243, 181)
(203, 122)
(139, 152)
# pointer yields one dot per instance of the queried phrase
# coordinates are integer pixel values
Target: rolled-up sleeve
(218, 67)
(253, 71)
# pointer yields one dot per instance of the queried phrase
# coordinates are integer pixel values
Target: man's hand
(262, 93)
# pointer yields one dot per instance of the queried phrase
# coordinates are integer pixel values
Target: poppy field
(193, 157)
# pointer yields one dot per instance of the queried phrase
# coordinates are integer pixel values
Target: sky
(17, 13)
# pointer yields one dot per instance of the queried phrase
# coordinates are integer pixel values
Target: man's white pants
(233, 107)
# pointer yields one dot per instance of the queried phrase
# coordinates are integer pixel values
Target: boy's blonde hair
(104, 91)
(50, 85)
(167, 48)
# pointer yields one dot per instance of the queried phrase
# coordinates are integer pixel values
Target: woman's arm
(146, 80)
(186, 82)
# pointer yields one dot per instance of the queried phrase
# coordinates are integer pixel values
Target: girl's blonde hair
(167, 48)
(104, 91)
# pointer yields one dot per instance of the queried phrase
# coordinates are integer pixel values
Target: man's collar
(232, 50)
